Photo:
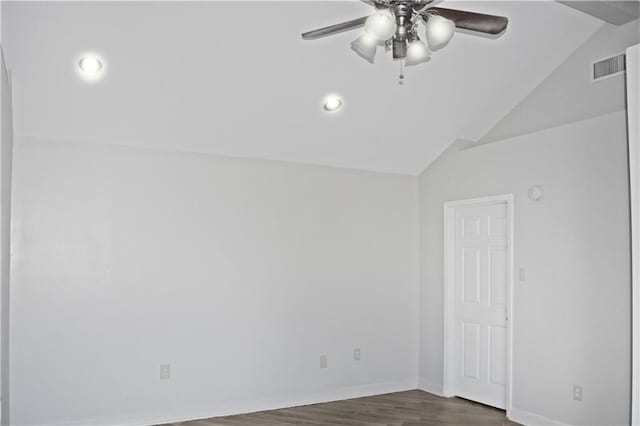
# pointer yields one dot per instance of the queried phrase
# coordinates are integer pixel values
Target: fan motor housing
(403, 14)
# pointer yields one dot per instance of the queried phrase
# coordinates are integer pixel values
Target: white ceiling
(235, 78)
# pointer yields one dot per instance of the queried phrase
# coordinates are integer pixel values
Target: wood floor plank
(410, 408)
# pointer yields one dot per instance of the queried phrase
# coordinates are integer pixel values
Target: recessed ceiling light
(332, 103)
(90, 64)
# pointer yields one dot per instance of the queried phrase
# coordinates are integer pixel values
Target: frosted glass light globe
(365, 46)
(381, 25)
(439, 31)
(417, 52)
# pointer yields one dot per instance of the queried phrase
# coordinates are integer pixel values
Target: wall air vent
(608, 67)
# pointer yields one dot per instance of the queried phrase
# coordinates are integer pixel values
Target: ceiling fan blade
(334, 29)
(473, 21)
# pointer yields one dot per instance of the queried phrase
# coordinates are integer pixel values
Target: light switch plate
(522, 274)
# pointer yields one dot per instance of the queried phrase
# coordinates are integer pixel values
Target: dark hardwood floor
(411, 408)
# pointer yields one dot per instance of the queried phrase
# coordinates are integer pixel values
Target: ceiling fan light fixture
(395, 23)
(381, 25)
(439, 31)
(417, 53)
(365, 46)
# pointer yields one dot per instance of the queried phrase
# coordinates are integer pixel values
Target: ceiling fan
(395, 26)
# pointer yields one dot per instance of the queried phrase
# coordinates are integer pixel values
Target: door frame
(633, 72)
(448, 388)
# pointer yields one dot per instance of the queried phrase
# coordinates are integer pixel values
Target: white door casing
(478, 294)
(633, 112)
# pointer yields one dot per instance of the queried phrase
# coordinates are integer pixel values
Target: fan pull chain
(401, 76)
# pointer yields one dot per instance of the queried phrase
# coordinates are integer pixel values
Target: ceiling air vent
(608, 67)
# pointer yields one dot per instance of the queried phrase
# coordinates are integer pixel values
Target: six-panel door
(481, 256)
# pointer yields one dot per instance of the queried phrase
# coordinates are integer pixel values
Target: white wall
(571, 316)
(239, 273)
(6, 149)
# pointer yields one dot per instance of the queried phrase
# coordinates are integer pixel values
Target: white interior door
(481, 268)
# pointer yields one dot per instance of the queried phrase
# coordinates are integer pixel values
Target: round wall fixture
(536, 193)
(332, 103)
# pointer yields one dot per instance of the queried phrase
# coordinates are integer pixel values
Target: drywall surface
(240, 274)
(572, 314)
(6, 153)
(569, 94)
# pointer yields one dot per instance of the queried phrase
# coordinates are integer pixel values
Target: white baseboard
(306, 398)
(531, 419)
(431, 387)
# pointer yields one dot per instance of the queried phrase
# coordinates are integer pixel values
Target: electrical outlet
(323, 361)
(522, 275)
(356, 354)
(577, 393)
(165, 371)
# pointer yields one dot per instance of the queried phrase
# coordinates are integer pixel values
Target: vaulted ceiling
(236, 79)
